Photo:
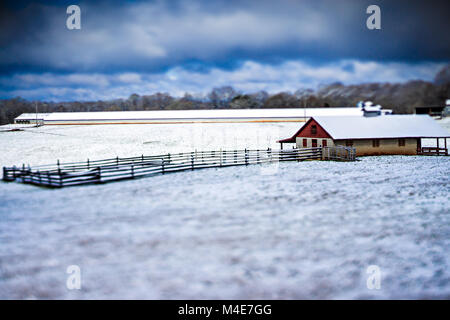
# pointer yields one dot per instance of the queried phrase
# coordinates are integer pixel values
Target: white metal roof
(391, 126)
(204, 114)
(32, 116)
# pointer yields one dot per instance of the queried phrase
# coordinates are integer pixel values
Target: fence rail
(115, 169)
(339, 153)
(433, 151)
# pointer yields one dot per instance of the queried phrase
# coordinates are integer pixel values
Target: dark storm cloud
(153, 36)
(194, 45)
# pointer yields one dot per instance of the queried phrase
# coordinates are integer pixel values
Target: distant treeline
(402, 98)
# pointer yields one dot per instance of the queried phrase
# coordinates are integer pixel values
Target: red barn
(382, 135)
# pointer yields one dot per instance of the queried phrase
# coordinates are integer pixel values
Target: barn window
(313, 129)
(324, 142)
(349, 143)
(305, 143)
(314, 143)
(375, 143)
(401, 142)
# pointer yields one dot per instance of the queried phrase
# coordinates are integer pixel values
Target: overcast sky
(191, 46)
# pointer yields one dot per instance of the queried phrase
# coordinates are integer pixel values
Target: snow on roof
(391, 126)
(207, 114)
(372, 108)
(32, 116)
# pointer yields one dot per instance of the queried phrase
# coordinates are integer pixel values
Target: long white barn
(186, 116)
(31, 118)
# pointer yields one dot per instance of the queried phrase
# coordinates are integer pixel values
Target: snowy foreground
(293, 230)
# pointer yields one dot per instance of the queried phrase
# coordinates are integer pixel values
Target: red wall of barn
(306, 132)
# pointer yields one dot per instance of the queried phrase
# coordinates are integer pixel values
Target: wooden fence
(433, 151)
(339, 153)
(115, 169)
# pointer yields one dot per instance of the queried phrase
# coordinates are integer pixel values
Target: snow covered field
(297, 230)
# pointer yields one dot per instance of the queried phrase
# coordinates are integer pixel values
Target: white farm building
(31, 118)
(186, 116)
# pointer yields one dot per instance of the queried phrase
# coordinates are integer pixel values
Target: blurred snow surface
(304, 230)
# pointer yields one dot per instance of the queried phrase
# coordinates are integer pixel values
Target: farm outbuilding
(31, 118)
(389, 135)
(438, 111)
(187, 116)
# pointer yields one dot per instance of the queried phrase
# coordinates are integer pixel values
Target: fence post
(132, 171)
(192, 162)
(88, 164)
(99, 174)
(246, 157)
(235, 156)
(162, 165)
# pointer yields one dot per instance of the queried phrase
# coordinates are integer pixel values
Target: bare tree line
(403, 98)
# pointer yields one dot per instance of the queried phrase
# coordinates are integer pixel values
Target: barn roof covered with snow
(381, 127)
(296, 113)
(32, 116)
